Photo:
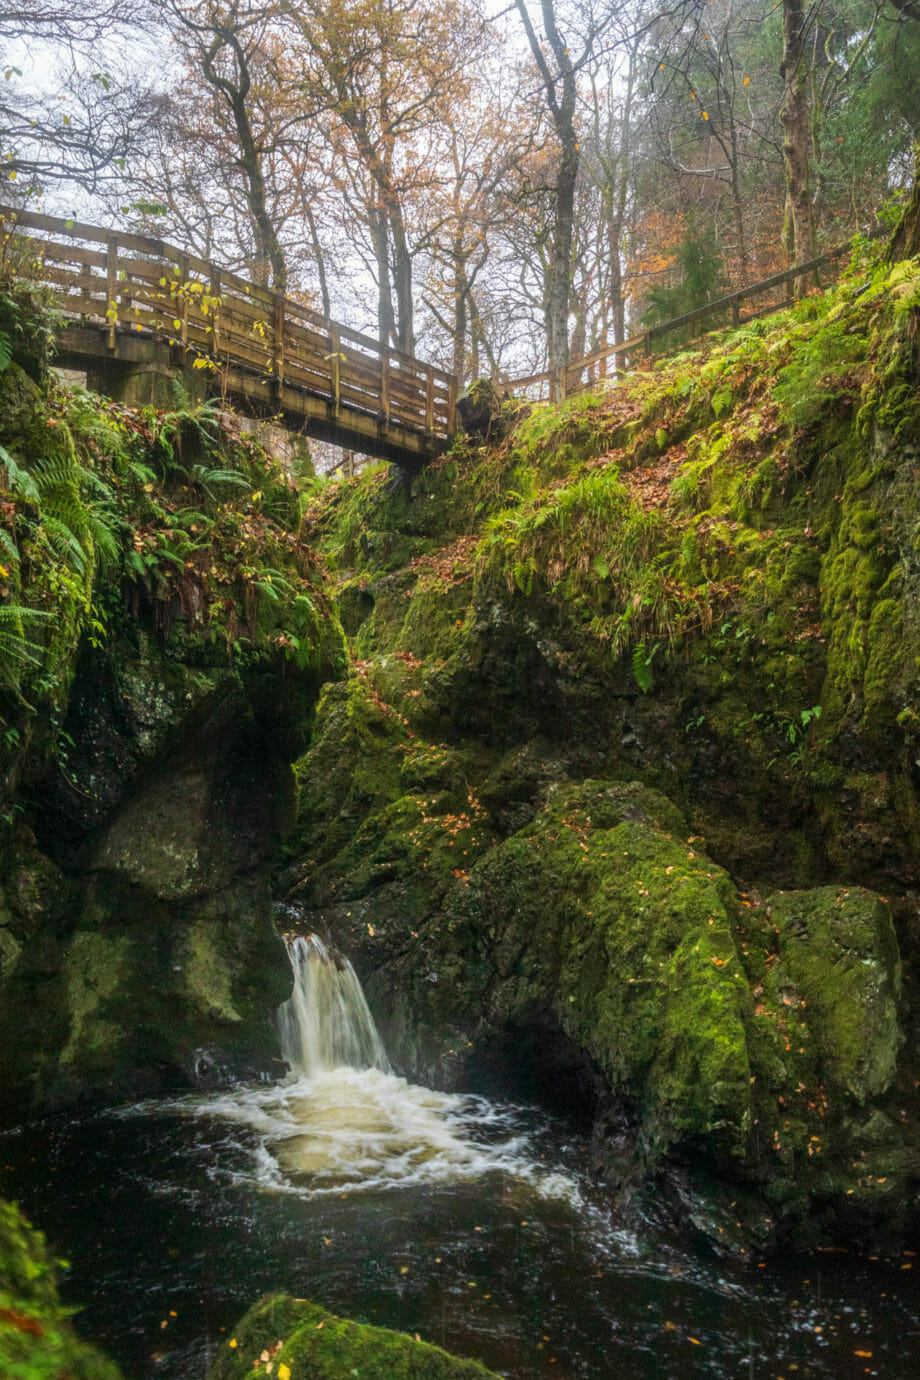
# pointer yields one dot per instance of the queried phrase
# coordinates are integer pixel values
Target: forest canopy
(498, 187)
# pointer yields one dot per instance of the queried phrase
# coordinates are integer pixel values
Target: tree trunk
(386, 326)
(320, 260)
(561, 93)
(460, 311)
(798, 224)
(405, 307)
(905, 242)
(560, 281)
(269, 256)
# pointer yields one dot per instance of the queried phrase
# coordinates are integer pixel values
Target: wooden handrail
(210, 312)
(731, 302)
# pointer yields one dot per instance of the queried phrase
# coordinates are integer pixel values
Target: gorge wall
(612, 801)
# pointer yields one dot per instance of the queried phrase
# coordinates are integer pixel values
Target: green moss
(352, 767)
(36, 1340)
(307, 1340)
(208, 977)
(839, 957)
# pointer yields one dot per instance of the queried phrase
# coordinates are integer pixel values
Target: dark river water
(465, 1221)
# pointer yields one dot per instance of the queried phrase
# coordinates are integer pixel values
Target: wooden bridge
(135, 307)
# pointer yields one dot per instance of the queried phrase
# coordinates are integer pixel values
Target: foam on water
(364, 1129)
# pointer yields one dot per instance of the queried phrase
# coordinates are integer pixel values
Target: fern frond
(8, 543)
(65, 542)
(19, 480)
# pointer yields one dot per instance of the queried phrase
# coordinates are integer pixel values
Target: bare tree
(227, 41)
(81, 126)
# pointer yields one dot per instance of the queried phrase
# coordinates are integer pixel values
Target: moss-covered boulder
(36, 1339)
(293, 1338)
(758, 1036)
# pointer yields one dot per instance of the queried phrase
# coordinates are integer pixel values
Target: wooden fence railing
(133, 283)
(583, 372)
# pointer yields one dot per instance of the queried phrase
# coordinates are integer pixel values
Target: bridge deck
(137, 300)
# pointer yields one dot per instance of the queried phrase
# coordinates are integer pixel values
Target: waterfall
(326, 1024)
(342, 1121)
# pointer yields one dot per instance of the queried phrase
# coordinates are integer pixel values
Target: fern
(19, 481)
(17, 652)
(204, 476)
(904, 281)
(8, 543)
(642, 666)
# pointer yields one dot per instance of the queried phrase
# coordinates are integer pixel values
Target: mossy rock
(480, 409)
(838, 957)
(296, 1339)
(36, 1340)
(714, 1019)
(21, 404)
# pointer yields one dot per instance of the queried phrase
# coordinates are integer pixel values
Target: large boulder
(757, 1036)
(290, 1338)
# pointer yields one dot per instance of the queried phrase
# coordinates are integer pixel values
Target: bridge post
(335, 360)
(215, 309)
(429, 401)
(452, 405)
(111, 287)
(385, 384)
(183, 295)
(278, 344)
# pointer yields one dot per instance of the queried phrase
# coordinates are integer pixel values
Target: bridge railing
(583, 372)
(122, 283)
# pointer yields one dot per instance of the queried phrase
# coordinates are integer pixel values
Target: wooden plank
(63, 277)
(79, 230)
(72, 253)
(529, 379)
(788, 275)
(429, 401)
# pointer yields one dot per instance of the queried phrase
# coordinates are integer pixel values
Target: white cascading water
(326, 1024)
(342, 1121)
